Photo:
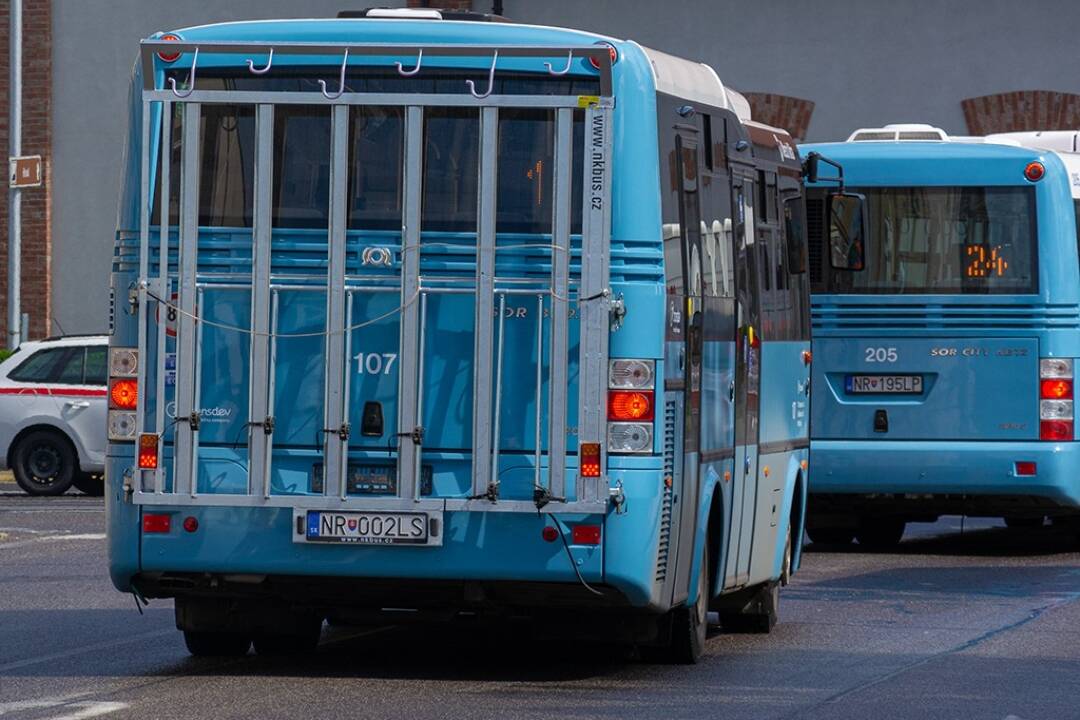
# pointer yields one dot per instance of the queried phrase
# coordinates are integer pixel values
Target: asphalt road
(983, 625)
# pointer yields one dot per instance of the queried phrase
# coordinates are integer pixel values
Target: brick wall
(36, 140)
(782, 111)
(1022, 110)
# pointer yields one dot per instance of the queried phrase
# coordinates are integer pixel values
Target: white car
(53, 409)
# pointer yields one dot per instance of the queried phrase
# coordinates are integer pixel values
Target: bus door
(747, 382)
(687, 490)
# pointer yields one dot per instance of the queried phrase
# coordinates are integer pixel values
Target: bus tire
(830, 535)
(44, 463)
(880, 533)
(203, 643)
(87, 484)
(689, 627)
(301, 639)
(758, 615)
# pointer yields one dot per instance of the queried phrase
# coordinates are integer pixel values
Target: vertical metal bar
(14, 289)
(185, 323)
(560, 306)
(485, 300)
(417, 465)
(200, 309)
(164, 286)
(408, 405)
(261, 238)
(144, 270)
(498, 392)
(271, 388)
(593, 308)
(346, 392)
(333, 418)
(539, 397)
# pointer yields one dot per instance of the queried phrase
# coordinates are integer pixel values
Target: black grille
(669, 479)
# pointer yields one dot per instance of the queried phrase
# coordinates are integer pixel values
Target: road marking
(83, 709)
(52, 538)
(82, 650)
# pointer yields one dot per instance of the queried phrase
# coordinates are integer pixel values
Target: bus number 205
(375, 363)
(880, 354)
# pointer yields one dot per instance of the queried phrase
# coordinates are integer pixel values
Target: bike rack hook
(409, 73)
(491, 80)
(263, 71)
(569, 61)
(341, 81)
(190, 78)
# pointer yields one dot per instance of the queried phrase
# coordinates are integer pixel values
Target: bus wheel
(830, 535)
(201, 643)
(1023, 523)
(880, 533)
(301, 639)
(758, 615)
(785, 568)
(87, 484)
(689, 627)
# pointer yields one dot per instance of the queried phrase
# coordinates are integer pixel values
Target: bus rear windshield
(944, 241)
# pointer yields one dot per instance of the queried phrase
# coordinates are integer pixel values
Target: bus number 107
(375, 363)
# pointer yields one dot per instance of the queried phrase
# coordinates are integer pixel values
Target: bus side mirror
(847, 231)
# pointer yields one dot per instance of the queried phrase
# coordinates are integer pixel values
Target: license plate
(369, 528)
(884, 384)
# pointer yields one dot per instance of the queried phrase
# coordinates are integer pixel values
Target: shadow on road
(982, 542)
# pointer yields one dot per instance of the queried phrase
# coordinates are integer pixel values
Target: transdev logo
(210, 415)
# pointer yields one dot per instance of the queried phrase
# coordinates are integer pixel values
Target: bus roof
(673, 75)
(933, 163)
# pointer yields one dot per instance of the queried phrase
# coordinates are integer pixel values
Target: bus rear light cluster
(631, 406)
(169, 57)
(123, 393)
(148, 451)
(589, 458)
(1056, 399)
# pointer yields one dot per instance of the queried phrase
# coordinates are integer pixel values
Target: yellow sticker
(584, 101)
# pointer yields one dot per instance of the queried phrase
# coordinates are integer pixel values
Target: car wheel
(44, 463)
(88, 484)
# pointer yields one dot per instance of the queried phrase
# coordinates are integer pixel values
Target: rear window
(64, 366)
(943, 240)
(301, 184)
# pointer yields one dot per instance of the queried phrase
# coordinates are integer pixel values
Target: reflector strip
(156, 523)
(586, 535)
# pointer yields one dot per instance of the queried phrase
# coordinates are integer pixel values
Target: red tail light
(156, 523)
(549, 533)
(589, 458)
(148, 451)
(1025, 468)
(191, 523)
(630, 405)
(167, 56)
(1056, 430)
(586, 534)
(1034, 171)
(124, 394)
(1056, 389)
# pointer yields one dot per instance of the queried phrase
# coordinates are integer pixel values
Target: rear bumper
(982, 469)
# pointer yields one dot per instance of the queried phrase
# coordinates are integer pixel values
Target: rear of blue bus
(943, 369)
(220, 540)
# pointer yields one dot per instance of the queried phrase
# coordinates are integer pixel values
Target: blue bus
(944, 350)
(422, 316)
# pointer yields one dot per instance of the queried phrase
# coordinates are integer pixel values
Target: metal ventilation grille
(919, 135)
(863, 136)
(815, 236)
(669, 479)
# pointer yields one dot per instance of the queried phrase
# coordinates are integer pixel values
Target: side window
(40, 366)
(71, 367)
(96, 365)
